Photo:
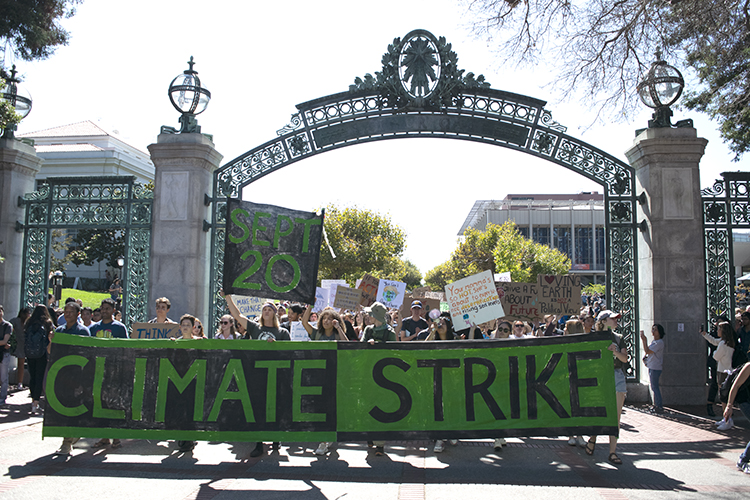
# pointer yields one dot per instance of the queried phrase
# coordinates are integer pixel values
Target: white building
(85, 149)
(571, 223)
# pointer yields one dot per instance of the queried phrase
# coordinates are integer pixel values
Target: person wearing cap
(607, 321)
(380, 331)
(410, 327)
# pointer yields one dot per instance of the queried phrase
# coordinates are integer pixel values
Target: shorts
(620, 383)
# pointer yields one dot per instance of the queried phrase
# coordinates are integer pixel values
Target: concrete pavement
(678, 453)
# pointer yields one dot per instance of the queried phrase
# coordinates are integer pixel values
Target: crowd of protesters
(374, 324)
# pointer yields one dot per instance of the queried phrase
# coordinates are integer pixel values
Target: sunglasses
(226, 322)
(504, 330)
(517, 326)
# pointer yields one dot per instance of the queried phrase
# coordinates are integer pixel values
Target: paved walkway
(677, 454)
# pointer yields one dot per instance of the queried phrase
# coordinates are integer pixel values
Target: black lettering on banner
(576, 383)
(536, 385)
(482, 388)
(405, 400)
(437, 385)
(513, 388)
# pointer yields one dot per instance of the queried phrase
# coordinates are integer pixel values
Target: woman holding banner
(607, 321)
(330, 328)
(226, 329)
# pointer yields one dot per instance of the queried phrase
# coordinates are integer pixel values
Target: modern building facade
(571, 223)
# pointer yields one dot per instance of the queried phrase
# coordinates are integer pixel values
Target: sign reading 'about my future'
(252, 390)
(271, 252)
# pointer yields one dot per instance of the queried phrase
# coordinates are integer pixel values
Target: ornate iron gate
(433, 98)
(116, 202)
(726, 206)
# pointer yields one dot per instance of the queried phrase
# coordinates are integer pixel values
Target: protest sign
(391, 293)
(154, 330)
(249, 306)
(347, 298)
(252, 390)
(559, 295)
(271, 251)
(473, 300)
(420, 291)
(298, 332)
(321, 299)
(369, 286)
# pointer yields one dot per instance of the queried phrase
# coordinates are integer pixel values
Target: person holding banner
(330, 325)
(226, 329)
(607, 321)
(162, 308)
(503, 330)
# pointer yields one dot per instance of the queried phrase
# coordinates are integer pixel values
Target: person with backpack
(739, 394)
(36, 346)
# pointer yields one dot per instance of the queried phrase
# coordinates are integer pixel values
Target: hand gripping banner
(271, 252)
(248, 390)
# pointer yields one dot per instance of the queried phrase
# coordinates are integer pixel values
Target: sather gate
(420, 92)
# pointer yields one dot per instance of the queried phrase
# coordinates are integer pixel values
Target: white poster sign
(473, 300)
(391, 293)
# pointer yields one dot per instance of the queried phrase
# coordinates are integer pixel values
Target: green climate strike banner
(247, 390)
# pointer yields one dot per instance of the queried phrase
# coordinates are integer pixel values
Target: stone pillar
(19, 165)
(179, 247)
(670, 253)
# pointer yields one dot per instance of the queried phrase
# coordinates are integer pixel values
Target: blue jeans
(4, 371)
(653, 376)
(745, 455)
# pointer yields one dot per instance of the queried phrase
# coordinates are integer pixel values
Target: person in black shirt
(410, 327)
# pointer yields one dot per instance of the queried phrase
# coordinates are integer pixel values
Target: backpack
(12, 341)
(743, 393)
(36, 341)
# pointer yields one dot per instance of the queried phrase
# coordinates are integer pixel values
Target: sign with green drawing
(245, 390)
(271, 252)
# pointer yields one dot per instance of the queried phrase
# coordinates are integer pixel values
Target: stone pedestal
(19, 165)
(179, 246)
(670, 253)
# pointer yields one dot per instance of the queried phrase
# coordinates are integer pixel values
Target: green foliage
(498, 249)
(592, 288)
(98, 245)
(89, 299)
(363, 242)
(32, 29)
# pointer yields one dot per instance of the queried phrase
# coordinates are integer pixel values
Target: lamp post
(661, 88)
(18, 98)
(57, 284)
(189, 98)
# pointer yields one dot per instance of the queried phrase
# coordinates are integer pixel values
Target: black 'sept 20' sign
(271, 251)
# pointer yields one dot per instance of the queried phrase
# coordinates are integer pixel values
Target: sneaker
(499, 443)
(116, 444)
(185, 446)
(439, 446)
(34, 407)
(746, 468)
(322, 449)
(453, 442)
(741, 464)
(101, 443)
(572, 441)
(581, 442)
(258, 451)
(726, 425)
(19, 387)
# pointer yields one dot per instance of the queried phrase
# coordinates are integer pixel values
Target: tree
(98, 245)
(602, 49)
(32, 29)
(498, 249)
(363, 241)
(59, 244)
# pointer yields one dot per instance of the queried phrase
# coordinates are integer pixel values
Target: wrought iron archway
(420, 92)
(115, 202)
(726, 206)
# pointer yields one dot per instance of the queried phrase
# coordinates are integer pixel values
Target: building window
(584, 246)
(541, 235)
(561, 239)
(600, 260)
(524, 231)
